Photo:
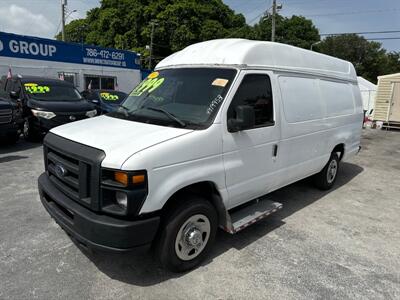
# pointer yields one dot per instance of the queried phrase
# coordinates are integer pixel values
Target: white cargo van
(215, 127)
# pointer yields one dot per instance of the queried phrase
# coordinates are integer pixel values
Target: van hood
(119, 139)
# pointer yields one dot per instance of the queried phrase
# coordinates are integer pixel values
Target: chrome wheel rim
(26, 128)
(192, 237)
(332, 171)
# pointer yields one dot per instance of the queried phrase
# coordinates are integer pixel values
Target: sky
(42, 17)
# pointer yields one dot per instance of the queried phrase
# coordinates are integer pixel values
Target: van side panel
(353, 145)
(344, 114)
(304, 130)
(317, 115)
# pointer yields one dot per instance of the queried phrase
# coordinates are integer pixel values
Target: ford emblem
(72, 118)
(60, 170)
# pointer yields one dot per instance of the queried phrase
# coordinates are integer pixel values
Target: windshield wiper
(126, 109)
(168, 114)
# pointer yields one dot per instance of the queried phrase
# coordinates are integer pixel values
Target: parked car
(10, 119)
(105, 100)
(46, 103)
(199, 144)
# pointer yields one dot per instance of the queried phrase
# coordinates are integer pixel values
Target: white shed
(368, 94)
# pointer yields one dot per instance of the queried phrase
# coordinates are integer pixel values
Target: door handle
(275, 150)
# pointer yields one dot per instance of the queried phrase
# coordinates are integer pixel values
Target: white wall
(127, 78)
(368, 98)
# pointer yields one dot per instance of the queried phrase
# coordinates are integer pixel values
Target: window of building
(255, 91)
(99, 82)
(70, 77)
(107, 83)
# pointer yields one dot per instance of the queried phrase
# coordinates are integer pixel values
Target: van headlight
(122, 199)
(43, 114)
(91, 113)
(123, 192)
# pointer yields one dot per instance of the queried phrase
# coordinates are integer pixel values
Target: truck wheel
(187, 235)
(325, 179)
(28, 131)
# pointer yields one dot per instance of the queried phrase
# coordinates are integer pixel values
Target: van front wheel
(325, 179)
(188, 234)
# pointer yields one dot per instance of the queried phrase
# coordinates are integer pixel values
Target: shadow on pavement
(11, 158)
(143, 270)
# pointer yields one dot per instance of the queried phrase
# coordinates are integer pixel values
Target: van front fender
(164, 182)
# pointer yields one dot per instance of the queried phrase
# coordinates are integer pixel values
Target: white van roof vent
(260, 54)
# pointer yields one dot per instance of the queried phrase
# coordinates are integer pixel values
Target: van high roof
(260, 54)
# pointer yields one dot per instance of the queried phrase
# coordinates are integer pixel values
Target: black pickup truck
(10, 119)
(46, 103)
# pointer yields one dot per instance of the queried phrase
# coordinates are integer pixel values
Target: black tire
(166, 245)
(323, 180)
(29, 132)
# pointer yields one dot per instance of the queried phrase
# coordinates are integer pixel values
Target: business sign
(19, 46)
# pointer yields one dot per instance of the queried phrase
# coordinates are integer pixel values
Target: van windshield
(182, 97)
(51, 92)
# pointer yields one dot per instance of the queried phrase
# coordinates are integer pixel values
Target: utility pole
(314, 44)
(151, 42)
(273, 20)
(63, 5)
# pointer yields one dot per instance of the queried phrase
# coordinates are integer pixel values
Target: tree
(369, 58)
(75, 31)
(296, 30)
(393, 63)
(125, 24)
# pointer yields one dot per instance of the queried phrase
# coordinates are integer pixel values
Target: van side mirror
(245, 119)
(14, 95)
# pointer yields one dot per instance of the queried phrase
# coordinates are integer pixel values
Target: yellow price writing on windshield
(147, 85)
(34, 88)
(109, 97)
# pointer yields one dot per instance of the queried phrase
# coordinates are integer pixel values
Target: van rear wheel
(325, 179)
(187, 234)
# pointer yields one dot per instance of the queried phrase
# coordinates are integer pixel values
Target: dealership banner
(19, 46)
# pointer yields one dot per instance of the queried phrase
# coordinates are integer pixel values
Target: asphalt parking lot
(340, 244)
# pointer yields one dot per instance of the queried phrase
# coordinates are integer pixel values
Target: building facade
(83, 65)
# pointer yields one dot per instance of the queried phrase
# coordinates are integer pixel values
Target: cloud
(19, 20)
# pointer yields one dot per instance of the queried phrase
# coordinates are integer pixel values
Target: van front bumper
(95, 231)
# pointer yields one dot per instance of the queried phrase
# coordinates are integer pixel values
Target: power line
(385, 38)
(289, 3)
(365, 32)
(355, 12)
(260, 14)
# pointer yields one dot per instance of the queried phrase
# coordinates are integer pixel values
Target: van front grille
(69, 175)
(74, 169)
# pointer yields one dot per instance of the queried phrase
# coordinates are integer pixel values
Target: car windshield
(112, 97)
(51, 92)
(182, 97)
